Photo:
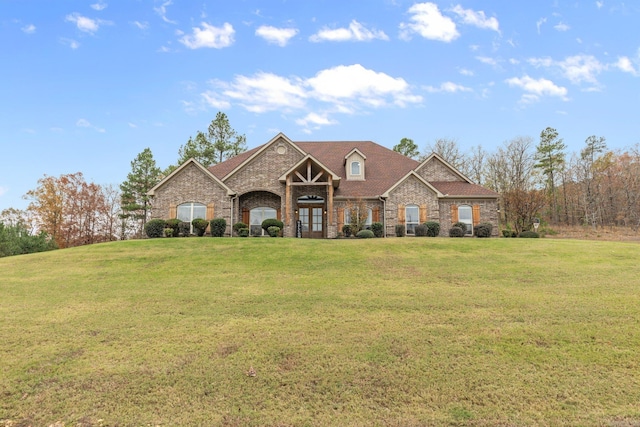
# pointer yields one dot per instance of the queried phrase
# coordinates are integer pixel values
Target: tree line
(67, 211)
(595, 187)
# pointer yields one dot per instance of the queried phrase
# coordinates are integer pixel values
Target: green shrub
(346, 230)
(483, 229)
(421, 230)
(456, 231)
(461, 225)
(173, 223)
(238, 225)
(400, 230)
(378, 229)
(168, 232)
(272, 222)
(184, 229)
(273, 231)
(155, 228)
(218, 227)
(433, 228)
(507, 233)
(365, 234)
(243, 232)
(199, 226)
(529, 235)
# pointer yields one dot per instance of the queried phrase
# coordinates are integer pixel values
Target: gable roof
(184, 165)
(385, 168)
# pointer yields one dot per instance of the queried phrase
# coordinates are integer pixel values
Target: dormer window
(354, 164)
(355, 168)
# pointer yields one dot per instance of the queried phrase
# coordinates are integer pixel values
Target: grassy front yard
(399, 332)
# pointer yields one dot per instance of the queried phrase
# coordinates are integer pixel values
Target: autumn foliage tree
(72, 211)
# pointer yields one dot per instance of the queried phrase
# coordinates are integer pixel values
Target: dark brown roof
(383, 168)
(461, 188)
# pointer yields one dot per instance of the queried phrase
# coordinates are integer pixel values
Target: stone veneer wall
(488, 213)
(411, 192)
(369, 203)
(191, 184)
(436, 171)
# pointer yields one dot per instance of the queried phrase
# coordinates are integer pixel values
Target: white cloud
(73, 44)
(625, 64)
(428, 22)
(3, 190)
(316, 120)
(578, 68)
(140, 25)
(561, 26)
(338, 90)
(84, 123)
(448, 87)
(487, 60)
(477, 19)
(466, 72)
(29, 29)
(85, 24)
(277, 36)
(99, 6)
(355, 32)
(540, 22)
(209, 36)
(535, 89)
(599, 4)
(162, 11)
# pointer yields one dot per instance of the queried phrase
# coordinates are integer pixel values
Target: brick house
(314, 186)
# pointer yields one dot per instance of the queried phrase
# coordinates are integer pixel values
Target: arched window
(412, 218)
(187, 212)
(256, 216)
(355, 168)
(465, 215)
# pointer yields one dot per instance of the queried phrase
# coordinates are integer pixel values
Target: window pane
(355, 168)
(465, 216)
(256, 216)
(317, 219)
(199, 211)
(184, 212)
(412, 217)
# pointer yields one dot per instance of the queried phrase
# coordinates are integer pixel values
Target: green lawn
(387, 332)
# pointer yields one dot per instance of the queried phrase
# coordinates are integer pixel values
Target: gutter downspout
(384, 214)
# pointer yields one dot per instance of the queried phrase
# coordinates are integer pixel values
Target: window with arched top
(355, 168)
(187, 212)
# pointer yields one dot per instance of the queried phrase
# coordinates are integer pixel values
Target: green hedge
(456, 231)
(433, 228)
(199, 226)
(365, 234)
(378, 229)
(218, 227)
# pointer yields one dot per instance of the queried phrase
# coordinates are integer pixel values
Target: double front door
(312, 220)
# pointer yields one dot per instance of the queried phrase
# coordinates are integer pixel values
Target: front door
(312, 221)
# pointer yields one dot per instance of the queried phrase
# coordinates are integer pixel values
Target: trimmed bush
(155, 228)
(400, 230)
(184, 229)
(238, 225)
(456, 232)
(199, 226)
(365, 234)
(346, 230)
(168, 232)
(272, 222)
(483, 229)
(218, 227)
(421, 230)
(243, 232)
(273, 231)
(173, 223)
(378, 229)
(461, 225)
(433, 228)
(529, 235)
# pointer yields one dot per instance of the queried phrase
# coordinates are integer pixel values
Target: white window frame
(409, 221)
(467, 221)
(258, 218)
(356, 164)
(187, 212)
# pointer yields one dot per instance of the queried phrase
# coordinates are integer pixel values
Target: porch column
(330, 202)
(287, 201)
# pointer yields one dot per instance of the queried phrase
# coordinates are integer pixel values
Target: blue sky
(87, 85)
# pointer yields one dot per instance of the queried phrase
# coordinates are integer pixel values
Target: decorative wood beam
(315, 178)
(302, 178)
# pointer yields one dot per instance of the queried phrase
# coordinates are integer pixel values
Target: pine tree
(143, 176)
(550, 158)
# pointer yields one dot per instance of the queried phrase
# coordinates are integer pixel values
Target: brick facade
(254, 181)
